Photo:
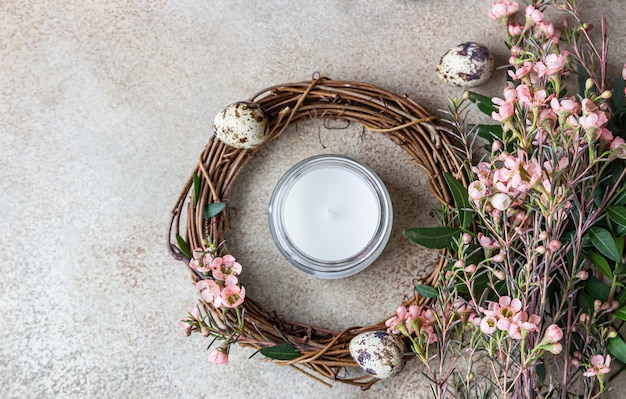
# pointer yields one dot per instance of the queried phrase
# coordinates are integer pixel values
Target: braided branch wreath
(324, 352)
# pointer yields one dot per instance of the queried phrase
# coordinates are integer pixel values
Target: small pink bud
(605, 306)
(470, 269)
(614, 306)
(612, 333)
(578, 355)
(554, 333)
(554, 245)
(584, 318)
(583, 275)
(540, 249)
(459, 264)
(499, 258)
(554, 348)
(575, 362)
(544, 235)
(499, 274)
(467, 238)
(597, 304)
(496, 146)
(205, 331)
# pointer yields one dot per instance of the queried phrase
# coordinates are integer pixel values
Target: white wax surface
(331, 213)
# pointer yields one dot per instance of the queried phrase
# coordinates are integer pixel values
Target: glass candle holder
(330, 216)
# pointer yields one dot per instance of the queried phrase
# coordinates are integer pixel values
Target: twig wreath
(313, 350)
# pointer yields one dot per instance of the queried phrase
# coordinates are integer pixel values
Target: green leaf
(426, 290)
(620, 269)
(461, 199)
(619, 198)
(585, 302)
(620, 313)
(432, 237)
(283, 351)
(601, 263)
(617, 348)
(183, 246)
(488, 132)
(597, 289)
(617, 214)
(484, 104)
(213, 209)
(196, 189)
(603, 240)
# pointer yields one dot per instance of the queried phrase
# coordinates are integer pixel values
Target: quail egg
(241, 125)
(379, 353)
(466, 65)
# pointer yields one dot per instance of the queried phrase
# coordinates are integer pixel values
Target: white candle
(330, 216)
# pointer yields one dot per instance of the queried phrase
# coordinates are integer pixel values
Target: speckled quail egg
(379, 353)
(466, 65)
(241, 125)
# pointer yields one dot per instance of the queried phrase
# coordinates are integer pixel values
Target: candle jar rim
(330, 269)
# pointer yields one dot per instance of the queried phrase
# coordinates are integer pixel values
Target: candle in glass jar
(330, 216)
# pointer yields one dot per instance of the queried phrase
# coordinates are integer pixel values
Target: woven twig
(324, 352)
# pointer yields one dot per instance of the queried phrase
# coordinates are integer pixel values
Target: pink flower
(624, 72)
(505, 110)
(555, 63)
(226, 269)
(599, 366)
(488, 325)
(396, 321)
(503, 9)
(218, 356)
(210, 292)
(523, 323)
(522, 71)
(504, 311)
(500, 201)
(533, 14)
(477, 190)
(524, 94)
(233, 296)
(420, 321)
(515, 30)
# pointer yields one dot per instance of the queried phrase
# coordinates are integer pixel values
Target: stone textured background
(104, 108)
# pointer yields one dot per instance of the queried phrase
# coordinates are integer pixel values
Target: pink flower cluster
(413, 320)
(507, 315)
(223, 289)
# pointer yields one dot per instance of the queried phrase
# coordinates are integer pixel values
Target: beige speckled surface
(105, 107)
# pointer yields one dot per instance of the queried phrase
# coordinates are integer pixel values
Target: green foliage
(213, 209)
(426, 290)
(433, 237)
(183, 246)
(617, 348)
(461, 199)
(483, 103)
(603, 240)
(196, 189)
(284, 351)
